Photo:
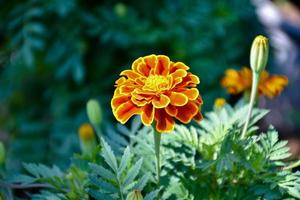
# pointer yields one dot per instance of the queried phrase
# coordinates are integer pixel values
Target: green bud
(87, 139)
(259, 54)
(2, 153)
(120, 9)
(94, 111)
(134, 195)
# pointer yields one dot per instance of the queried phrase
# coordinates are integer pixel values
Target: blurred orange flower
(159, 90)
(240, 81)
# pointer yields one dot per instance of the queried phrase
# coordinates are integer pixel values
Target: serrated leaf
(133, 172)
(152, 195)
(124, 160)
(101, 171)
(109, 156)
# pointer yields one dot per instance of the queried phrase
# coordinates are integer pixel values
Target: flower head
(86, 132)
(259, 53)
(219, 103)
(159, 90)
(240, 81)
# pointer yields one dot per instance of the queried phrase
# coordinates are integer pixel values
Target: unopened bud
(259, 54)
(219, 103)
(87, 138)
(134, 195)
(94, 111)
(2, 153)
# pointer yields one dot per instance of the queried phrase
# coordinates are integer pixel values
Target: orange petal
(178, 65)
(143, 69)
(162, 68)
(120, 81)
(136, 63)
(118, 100)
(125, 111)
(126, 89)
(147, 115)
(151, 61)
(187, 113)
(160, 102)
(171, 110)
(198, 117)
(164, 123)
(192, 93)
(180, 73)
(130, 74)
(178, 99)
(139, 102)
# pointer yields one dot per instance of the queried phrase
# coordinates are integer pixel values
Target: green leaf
(109, 156)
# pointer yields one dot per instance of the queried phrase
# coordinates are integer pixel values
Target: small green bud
(120, 9)
(134, 195)
(94, 112)
(259, 54)
(87, 139)
(2, 153)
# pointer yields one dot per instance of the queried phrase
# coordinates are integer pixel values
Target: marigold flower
(159, 90)
(240, 81)
(86, 132)
(219, 102)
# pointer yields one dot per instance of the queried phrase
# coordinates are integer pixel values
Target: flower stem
(157, 138)
(255, 81)
(293, 165)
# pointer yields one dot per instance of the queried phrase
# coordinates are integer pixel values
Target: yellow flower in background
(219, 102)
(159, 90)
(236, 82)
(86, 132)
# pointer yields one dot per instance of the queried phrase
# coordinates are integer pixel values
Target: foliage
(204, 161)
(59, 53)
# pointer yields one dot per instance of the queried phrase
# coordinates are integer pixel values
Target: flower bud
(2, 153)
(94, 112)
(259, 54)
(134, 195)
(219, 103)
(87, 139)
(120, 9)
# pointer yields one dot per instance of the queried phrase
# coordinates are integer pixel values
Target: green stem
(293, 165)
(255, 81)
(157, 138)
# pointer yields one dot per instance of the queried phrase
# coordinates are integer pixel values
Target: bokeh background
(55, 55)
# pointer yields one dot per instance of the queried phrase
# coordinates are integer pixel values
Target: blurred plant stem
(255, 81)
(157, 139)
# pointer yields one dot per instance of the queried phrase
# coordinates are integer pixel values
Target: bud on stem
(134, 195)
(259, 54)
(87, 139)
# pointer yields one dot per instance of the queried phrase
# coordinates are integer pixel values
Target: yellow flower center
(156, 83)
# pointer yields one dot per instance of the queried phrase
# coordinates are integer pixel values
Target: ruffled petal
(192, 93)
(178, 99)
(163, 66)
(187, 113)
(125, 111)
(164, 123)
(198, 117)
(160, 102)
(178, 65)
(147, 115)
(171, 110)
(130, 74)
(118, 100)
(151, 62)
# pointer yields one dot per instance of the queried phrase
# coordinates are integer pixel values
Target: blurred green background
(55, 55)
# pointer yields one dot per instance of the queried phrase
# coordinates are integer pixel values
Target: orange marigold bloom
(159, 90)
(240, 81)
